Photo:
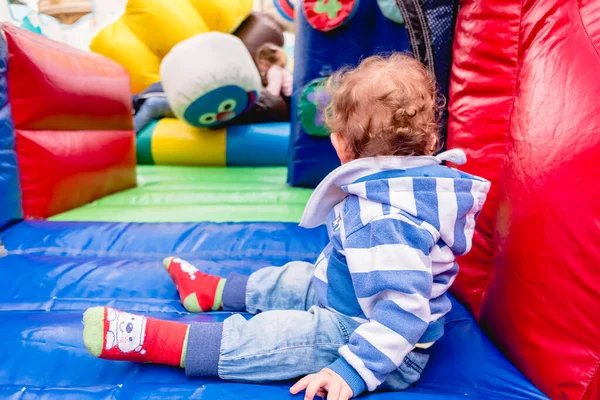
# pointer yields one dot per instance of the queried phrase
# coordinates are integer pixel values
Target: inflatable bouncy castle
(74, 143)
(77, 229)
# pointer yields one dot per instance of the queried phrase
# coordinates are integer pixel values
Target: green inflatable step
(194, 194)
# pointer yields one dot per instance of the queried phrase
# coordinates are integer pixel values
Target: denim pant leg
(409, 372)
(273, 288)
(283, 341)
(280, 345)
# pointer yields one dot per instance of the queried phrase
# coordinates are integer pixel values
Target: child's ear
(341, 148)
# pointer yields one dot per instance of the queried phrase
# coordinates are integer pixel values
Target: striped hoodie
(396, 225)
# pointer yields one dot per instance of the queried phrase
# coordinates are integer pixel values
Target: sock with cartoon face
(198, 291)
(117, 335)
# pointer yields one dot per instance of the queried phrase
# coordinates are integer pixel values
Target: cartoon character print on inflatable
(208, 94)
(312, 106)
(219, 106)
(326, 15)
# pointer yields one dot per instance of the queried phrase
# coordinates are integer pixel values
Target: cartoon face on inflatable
(219, 106)
(210, 79)
(126, 331)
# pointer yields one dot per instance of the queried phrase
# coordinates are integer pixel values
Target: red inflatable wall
(481, 98)
(524, 104)
(73, 118)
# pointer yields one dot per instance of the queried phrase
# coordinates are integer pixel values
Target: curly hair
(385, 106)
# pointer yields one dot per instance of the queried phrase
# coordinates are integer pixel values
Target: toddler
(366, 315)
(271, 61)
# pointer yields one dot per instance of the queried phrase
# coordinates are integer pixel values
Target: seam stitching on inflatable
(592, 379)
(208, 254)
(506, 139)
(587, 33)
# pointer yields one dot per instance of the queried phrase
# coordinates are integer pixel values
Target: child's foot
(198, 291)
(117, 335)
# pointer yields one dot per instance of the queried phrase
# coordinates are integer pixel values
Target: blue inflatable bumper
(54, 271)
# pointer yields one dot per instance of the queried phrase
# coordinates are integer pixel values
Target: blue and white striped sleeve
(390, 266)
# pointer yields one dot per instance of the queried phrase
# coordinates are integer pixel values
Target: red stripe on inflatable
(61, 170)
(590, 17)
(54, 86)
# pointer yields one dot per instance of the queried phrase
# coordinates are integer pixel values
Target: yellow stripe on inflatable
(176, 143)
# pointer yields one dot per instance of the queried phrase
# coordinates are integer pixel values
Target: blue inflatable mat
(54, 271)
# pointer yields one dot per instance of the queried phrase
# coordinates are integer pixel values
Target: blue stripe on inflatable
(54, 271)
(258, 144)
(10, 191)
(320, 53)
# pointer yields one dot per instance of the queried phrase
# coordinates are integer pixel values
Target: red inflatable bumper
(524, 104)
(73, 119)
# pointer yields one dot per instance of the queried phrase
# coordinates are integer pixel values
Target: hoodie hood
(434, 195)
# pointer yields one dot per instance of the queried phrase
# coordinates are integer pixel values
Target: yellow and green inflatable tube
(170, 141)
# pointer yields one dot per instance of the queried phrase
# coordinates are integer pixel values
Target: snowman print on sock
(126, 331)
(187, 268)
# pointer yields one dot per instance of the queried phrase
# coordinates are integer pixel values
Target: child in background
(271, 60)
(367, 314)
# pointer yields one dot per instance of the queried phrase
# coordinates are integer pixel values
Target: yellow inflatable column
(120, 44)
(161, 24)
(144, 34)
(176, 143)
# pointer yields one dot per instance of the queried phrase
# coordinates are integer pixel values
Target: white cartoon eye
(208, 118)
(227, 105)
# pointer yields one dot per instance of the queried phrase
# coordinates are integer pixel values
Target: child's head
(268, 55)
(387, 106)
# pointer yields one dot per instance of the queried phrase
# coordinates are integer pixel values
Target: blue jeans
(289, 336)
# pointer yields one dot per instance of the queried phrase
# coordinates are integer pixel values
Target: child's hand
(326, 382)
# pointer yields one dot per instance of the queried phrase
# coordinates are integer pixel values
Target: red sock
(117, 335)
(198, 291)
